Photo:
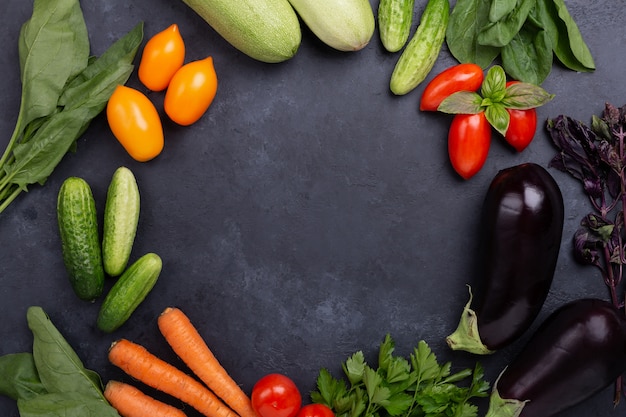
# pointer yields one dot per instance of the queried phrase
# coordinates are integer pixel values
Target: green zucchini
(80, 243)
(346, 25)
(394, 23)
(121, 215)
(419, 56)
(129, 291)
(266, 30)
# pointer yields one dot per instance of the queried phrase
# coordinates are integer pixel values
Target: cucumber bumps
(78, 227)
(420, 54)
(121, 215)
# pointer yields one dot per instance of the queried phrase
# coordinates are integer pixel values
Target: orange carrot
(189, 345)
(131, 402)
(137, 362)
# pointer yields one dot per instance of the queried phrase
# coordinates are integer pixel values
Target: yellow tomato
(135, 123)
(162, 56)
(191, 91)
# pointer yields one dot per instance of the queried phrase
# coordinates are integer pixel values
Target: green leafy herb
(63, 89)
(496, 99)
(52, 381)
(526, 33)
(419, 386)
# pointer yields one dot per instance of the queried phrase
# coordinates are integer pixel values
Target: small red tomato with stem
(469, 139)
(315, 410)
(276, 395)
(522, 126)
(461, 77)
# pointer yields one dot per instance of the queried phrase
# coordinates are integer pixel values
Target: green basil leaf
(461, 102)
(19, 376)
(559, 32)
(51, 50)
(467, 19)
(498, 117)
(523, 96)
(500, 33)
(59, 367)
(65, 404)
(494, 84)
(528, 57)
(500, 8)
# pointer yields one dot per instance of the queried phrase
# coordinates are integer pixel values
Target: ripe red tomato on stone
(469, 139)
(315, 410)
(522, 126)
(461, 77)
(276, 395)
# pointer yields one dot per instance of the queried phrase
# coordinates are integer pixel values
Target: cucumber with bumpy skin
(266, 30)
(346, 25)
(394, 23)
(419, 56)
(129, 291)
(80, 243)
(121, 215)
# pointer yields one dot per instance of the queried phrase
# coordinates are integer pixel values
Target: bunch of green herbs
(526, 34)
(595, 155)
(52, 380)
(418, 387)
(63, 90)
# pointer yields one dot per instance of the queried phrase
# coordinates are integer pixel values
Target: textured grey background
(308, 213)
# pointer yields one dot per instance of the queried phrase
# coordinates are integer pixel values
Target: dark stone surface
(308, 213)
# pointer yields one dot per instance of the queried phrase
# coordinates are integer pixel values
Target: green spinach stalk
(63, 90)
(52, 380)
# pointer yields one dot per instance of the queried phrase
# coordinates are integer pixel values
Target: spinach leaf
(67, 404)
(500, 33)
(53, 47)
(20, 379)
(59, 367)
(467, 19)
(528, 57)
(500, 8)
(558, 24)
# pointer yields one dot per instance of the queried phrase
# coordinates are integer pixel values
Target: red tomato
(469, 139)
(276, 395)
(315, 410)
(522, 126)
(461, 77)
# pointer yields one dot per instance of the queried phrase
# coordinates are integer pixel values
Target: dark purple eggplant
(521, 229)
(579, 350)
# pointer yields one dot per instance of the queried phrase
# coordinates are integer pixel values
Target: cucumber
(346, 25)
(129, 291)
(419, 56)
(394, 23)
(80, 243)
(121, 215)
(266, 30)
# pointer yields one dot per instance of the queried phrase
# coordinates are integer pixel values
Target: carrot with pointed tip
(129, 401)
(137, 362)
(189, 345)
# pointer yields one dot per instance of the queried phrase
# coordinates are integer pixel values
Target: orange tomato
(191, 91)
(135, 123)
(162, 56)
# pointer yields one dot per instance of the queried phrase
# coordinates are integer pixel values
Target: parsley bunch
(419, 387)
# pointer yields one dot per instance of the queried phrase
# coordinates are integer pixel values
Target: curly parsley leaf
(419, 386)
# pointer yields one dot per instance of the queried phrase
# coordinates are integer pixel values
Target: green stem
(10, 198)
